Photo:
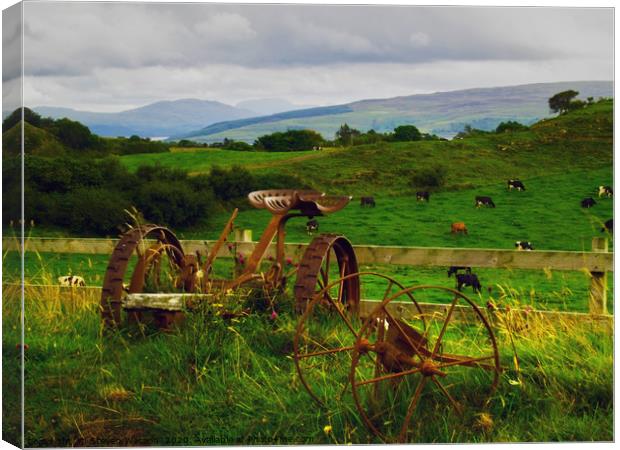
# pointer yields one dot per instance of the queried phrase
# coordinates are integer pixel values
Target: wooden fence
(596, 262)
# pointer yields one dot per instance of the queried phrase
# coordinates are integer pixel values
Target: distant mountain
(441, 113)
(160, 119)
(268, 106)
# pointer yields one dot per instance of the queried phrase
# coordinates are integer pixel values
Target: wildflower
(19, 346)
(527, 310)
(230, 246)
(484, 422)
(491, 306)
(289, 261)
(327, 429)
(274, 315)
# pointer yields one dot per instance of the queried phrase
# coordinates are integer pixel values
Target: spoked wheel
(327, 333)
(405, 378)
(154, 254)
(328, 257)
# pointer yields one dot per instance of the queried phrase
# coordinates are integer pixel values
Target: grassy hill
(441, 113)
(579, 140)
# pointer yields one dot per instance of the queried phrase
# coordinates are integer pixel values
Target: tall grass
(232, 380)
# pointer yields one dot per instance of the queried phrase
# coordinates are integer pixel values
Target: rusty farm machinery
(395, 357)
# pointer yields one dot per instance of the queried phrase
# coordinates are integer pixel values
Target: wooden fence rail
(597, 262)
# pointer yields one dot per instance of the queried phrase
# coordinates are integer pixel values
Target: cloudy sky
(114, 56)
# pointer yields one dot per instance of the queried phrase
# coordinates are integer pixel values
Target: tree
(345, 134)
(29, 116)
(407, 133)
(560, 102)
(291, 140)
(73, 134)
(510, 126)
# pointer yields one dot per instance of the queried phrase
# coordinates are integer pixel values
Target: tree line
(69, 137)
(90, 196)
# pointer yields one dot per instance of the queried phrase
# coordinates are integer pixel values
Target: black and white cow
(367, 201)
(516, 184)
(608, 226)
(468, 279)
(312, 225)
(588, 202)
(71, 281)
(455, 269)
(484, 201)
(422, 196)
(524, 245)
(607, 191)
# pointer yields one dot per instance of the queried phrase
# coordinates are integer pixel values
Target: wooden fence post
(243, 235)
(598, 282)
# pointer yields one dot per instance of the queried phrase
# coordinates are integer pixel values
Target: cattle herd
(471, 279)
(462, 279)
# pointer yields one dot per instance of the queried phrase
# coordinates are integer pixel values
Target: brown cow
(459, 227)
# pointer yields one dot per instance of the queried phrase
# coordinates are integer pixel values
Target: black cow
(422, 195)
(455, 269)
(312, 225)
(607, 191)
(468, 279)
(484, 201)
(608, 226)
(524, 245)
(367, 201)
(588, 202)
(516, 184)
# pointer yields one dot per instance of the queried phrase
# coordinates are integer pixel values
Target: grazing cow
(516, 184)
(484, 201)
(608, 226)
(455, 269)
(367, 201)
(71, 281)
(312, 226)
(422, 195)
(468, 279)
(588, 202)
(607, 191)
(524, 245)
(458, 227)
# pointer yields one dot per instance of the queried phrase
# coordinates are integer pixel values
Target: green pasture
(553, 290)
(548, 214)
(201, 160)
(233, 381)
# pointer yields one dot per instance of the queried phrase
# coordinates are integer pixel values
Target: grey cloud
(79, 38)
(11, 43)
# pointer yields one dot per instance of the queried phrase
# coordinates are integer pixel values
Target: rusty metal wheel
(326, 335)
(401, 374)
(328, 257)
(151, 250)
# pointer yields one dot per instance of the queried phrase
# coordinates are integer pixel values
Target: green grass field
(221, 381)
(201, 160)
(233, 381)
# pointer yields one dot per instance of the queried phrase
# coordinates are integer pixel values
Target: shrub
(173, 204)
(231, 184)
(510, 126)
(88, 210)
(290, 140)
(406, 133)
(431, 177)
